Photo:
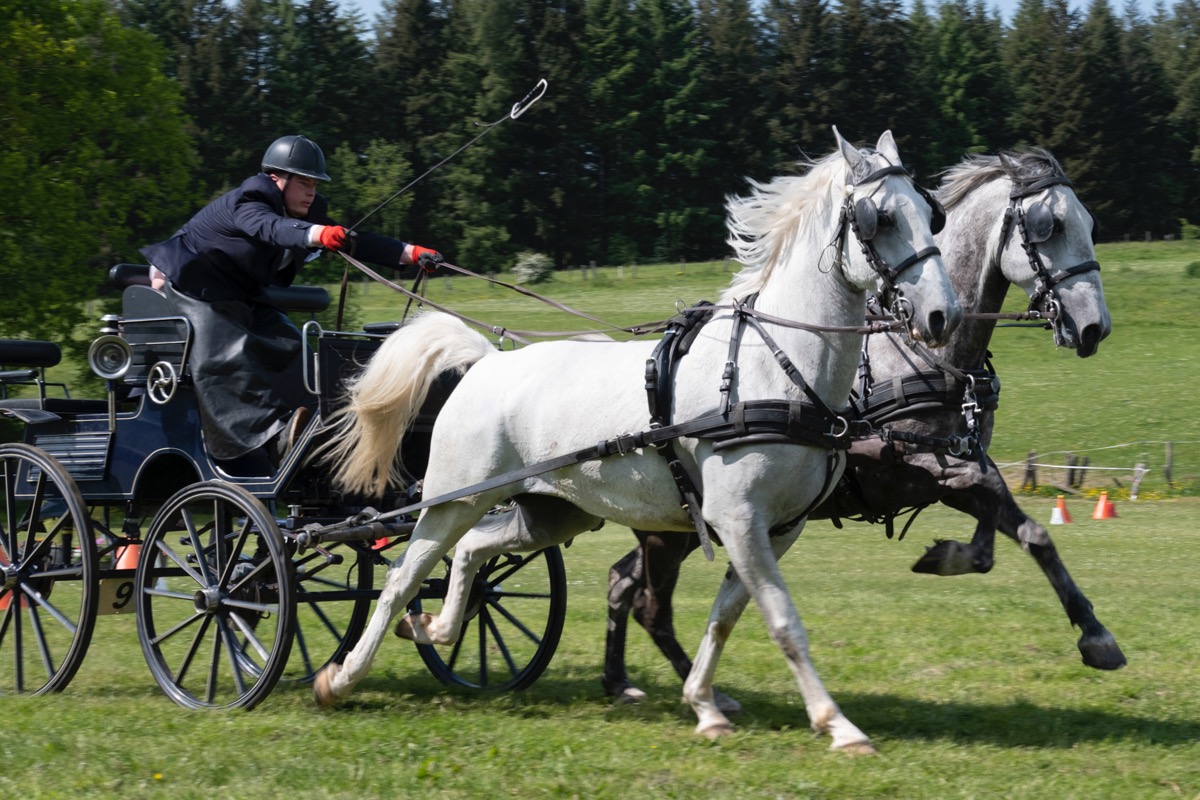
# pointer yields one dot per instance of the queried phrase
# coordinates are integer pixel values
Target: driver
(245, 353)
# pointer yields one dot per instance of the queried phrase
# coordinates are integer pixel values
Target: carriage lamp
(110, 357)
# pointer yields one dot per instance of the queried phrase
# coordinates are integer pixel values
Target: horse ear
(849, 151)
(1008, 162)
(886, 147)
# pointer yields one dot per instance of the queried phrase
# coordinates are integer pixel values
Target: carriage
(240, 574)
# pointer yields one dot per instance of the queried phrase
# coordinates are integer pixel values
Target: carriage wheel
(333, 602)
(48, 589)
(215, 600)
(512, 626)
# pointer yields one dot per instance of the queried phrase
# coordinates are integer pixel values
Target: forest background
(119, 118)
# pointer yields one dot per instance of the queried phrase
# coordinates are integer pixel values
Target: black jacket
(232, 248)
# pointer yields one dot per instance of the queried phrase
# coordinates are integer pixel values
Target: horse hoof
(727, 704)
(1102, 653)
(630, 696)
(322, 692)
(947, 558)
(861, 748)
(715, 731)
(405, 629)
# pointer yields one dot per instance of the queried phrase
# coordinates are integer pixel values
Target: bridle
(1036, 225)
(865, 218)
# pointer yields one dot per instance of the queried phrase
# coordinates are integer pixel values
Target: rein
(873, 324)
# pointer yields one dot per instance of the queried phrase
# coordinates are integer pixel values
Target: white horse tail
(385, 398)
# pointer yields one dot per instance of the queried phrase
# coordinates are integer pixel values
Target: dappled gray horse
(1011, 219)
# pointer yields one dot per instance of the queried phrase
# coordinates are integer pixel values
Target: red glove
(427, 259)
(334, 237)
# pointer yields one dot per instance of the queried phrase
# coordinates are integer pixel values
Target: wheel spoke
(35, 622)
(516, 623)
(500, 644)
(231, 652)
(193, 648)
(36, 597)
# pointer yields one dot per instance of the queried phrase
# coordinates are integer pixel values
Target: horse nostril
(937, 326)
(1089, 341)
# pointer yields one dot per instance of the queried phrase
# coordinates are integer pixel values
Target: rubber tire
(214, 590)
(52, 643)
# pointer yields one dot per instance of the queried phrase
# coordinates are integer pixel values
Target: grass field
(971, 686)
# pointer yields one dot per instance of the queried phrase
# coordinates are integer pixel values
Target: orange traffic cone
(127, 556)
(1060, 515)
(1104, 508)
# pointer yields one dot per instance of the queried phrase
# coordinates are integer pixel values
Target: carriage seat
(23, 363)
(382, 328)
(287, 298)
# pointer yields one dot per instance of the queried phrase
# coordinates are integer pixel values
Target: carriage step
(83, 455)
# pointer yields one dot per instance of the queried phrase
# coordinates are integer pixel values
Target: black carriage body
(114, 506)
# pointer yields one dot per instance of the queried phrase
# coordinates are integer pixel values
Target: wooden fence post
(1139, 471)
(1030, 472)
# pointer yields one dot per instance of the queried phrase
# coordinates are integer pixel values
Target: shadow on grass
(1019, 724)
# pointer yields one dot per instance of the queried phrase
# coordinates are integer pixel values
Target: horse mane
(767, 223)
(1023, 167)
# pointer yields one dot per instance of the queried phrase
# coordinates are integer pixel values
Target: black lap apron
(245, 363)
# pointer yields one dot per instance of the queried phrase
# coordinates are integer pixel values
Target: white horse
(812, 245)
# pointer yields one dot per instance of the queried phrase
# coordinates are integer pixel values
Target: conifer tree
(733, 77)
(799, 54)
(1149, 156)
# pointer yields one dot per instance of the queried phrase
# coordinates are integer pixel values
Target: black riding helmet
(297, 155)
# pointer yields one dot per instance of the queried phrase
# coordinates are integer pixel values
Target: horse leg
(624, 579)
(1096, 645)
(755, 572)
(950, 557)
(426, 548)
(991, 499)
(533, 523)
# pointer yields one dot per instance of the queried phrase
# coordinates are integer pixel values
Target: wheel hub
(207, 600)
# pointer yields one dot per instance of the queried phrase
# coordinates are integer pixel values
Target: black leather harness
(805, 422)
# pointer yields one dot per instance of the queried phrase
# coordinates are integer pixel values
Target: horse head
(1047, 247)
(893, 221)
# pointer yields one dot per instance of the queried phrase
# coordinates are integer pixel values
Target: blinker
(869, 218)
(937, 217)
(1039, 222)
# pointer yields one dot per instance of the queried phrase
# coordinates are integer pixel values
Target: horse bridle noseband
(863, 217)
(1035, 226)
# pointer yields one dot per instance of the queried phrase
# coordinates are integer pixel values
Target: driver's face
(298, 193)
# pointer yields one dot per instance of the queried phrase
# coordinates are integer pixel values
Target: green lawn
(971, 687)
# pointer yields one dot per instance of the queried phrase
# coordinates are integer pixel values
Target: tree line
(121, 117)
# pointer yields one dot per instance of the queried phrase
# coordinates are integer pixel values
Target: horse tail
(385, 398)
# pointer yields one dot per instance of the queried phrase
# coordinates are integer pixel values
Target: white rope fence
(1076, 467)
